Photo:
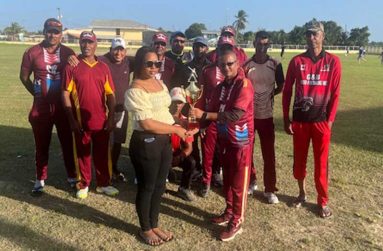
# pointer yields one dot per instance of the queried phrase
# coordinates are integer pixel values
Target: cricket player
(46, 61)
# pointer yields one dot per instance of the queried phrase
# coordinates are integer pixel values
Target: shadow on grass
(356, 128)
(28, 239)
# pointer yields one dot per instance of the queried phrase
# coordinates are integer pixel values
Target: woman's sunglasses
(150, 64)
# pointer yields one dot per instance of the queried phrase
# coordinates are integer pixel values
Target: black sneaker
(119, 177)
(38, 191)
(204, 190)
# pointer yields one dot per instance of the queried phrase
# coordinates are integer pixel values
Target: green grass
(58, 221)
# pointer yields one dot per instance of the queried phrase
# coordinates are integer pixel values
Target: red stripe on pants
(98, 141)
(320, 134)
(236, 176)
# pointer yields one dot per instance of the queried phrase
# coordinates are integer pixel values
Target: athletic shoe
(119, 176)
(271, 198)
(230, 232)
(252, 188)
(108, 190)
(204, 190)
(82, 193)
(72, 182)
(221, 220)
(38, 188)
(186, 194)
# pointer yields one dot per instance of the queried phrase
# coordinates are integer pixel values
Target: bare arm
(27, 82)
(158, 127)
(74, 125)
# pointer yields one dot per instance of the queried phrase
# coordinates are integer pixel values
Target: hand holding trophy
(192, 94)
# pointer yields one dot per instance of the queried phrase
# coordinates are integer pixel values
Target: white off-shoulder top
(148, 105)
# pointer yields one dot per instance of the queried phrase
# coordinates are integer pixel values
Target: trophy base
(193, 125)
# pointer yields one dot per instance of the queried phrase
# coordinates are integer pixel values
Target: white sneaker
(252, 188)
(82, 193)
(271, 198)
(108, 190)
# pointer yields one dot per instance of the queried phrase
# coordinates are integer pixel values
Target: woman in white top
(150, 151)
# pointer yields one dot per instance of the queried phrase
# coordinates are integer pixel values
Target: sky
(179, 15)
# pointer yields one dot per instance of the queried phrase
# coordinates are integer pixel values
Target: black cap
(53, 24)
(177, 34)
(261, 34)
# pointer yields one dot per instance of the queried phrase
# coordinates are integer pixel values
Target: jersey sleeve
(26, 63)
(288, 89)
(333, 103)
(138, 104)
(68, 83)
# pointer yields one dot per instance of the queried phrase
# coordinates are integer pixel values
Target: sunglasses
(178, 41)
(160, 43)
(228, 64)
(150, 64)
(309, 33)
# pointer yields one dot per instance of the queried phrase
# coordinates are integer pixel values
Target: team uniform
(263, 77)
(235, 140)
(166, 72)
(89, 84)
(47, 109)
(211, 77)
(120, 74)
(317, 86)
(239, 52)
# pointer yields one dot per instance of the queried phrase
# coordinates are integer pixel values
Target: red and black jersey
(166, 71)
(47, 69)
(239, 52)
(236, 94)
(317, 86)
(89, 84)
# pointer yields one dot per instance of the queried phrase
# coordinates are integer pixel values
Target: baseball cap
(53, 24)
(160, 37)
(177, 34)
(315, 26)
(176, 94)
(200, 40)
(118, 42)
(228, 29)
(88, 35)
(261, 34)
(226, 40)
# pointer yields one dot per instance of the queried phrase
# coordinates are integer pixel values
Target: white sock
(39, 183)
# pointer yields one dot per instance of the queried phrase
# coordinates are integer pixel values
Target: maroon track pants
(42, 118)
(320, 134)
(210, 162)
(236, 176)
(98, 143)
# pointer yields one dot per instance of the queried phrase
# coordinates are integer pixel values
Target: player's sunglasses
(229, 64)
(309, 33)
(150, 64)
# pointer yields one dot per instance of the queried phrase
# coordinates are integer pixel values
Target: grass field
(59, 221)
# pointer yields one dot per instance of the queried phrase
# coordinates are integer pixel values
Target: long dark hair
(140, 59)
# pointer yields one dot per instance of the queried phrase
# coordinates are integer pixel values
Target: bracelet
(204, 115)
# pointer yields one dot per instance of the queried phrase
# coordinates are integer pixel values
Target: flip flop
(298, 202)
(152, 241)
(164, 235)
(325, 212)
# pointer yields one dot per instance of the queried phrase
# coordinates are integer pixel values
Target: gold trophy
(192, 94)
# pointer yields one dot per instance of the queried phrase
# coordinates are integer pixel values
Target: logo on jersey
(303, 67)
(313, 79)
(326, 67)
(304, 104)
(241, 133)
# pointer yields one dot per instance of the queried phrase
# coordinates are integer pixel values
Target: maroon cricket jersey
(89, 84)
(166, 71)
(239, 52)
(120, 74)
(238, 94)
(317, 86)
(47, 69)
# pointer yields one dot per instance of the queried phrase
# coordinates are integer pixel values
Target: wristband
(204, 115)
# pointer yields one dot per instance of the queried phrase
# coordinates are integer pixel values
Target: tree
(14, 30)
(359, 36)
(333, 33)
(297, 35)
(240, 21)
(195, 30)
(278, 37)
(248, 36)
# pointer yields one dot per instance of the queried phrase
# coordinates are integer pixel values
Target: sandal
(164, 235)
(150, 238)
(298, 202)
(325, 212)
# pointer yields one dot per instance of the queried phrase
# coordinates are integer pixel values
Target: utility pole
(59, 16)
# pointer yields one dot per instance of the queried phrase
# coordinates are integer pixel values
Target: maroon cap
(53, 24)
(226, 40)
(228, 29)
(160, 37)
(88, 35)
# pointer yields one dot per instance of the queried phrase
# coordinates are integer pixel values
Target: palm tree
(13, 30)
(240, 22)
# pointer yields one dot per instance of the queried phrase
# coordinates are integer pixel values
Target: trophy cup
(192, 94)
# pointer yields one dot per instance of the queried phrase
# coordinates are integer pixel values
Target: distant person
(176, 53)
(46, 61)
(316, 75)
(167, 70)
(232, 106)
(182, 149)
(266, 75)
(119, 67)
(361, 54)
(347, 51)
(283, 47)
(228, 32)
(148, 101)
(88, 97)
